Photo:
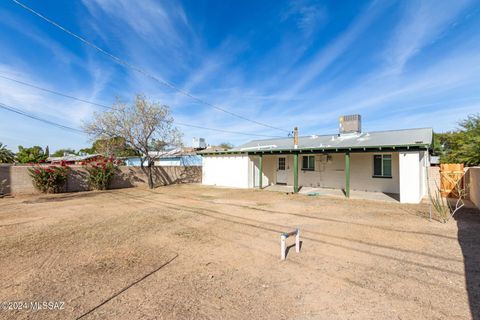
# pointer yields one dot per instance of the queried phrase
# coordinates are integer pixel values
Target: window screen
(382, 165)
(387, 165)
(308, 163)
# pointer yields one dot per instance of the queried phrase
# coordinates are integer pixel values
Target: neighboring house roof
(72, 157)
(214, 149)
(416, 138)
(434, 160)
(177, 152)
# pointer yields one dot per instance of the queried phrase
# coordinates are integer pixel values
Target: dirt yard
(192, 252)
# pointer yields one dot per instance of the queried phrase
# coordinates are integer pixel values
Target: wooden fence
(451, 179)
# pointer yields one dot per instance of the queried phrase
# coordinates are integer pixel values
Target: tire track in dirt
(278, 228)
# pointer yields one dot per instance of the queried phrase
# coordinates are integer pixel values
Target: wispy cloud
(142, 27)
(331, 52)
(422, 24)
(61, 55)
(308, 16)
(300, 65)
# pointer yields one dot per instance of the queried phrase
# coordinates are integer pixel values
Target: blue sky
(400, 64)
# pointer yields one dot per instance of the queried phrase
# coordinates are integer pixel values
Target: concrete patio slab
(354, 194)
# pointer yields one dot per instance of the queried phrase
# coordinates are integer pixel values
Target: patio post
(347, 174)
(295, 172)
(260, 171)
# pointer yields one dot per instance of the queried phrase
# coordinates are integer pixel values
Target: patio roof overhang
(392, 148)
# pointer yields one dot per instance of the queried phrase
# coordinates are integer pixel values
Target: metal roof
(361, 141)
(72, 157)
(177, 152)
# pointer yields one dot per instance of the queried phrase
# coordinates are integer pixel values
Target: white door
(281, 170)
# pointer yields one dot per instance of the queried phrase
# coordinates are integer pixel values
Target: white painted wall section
(255, 163)
(410, 165)
(226, 171)
(424, 164)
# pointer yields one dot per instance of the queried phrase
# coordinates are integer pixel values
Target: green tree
(87, 150)
(34, 154)
(116, 146)
(226, 145)
(6, 156)
(61, 152)
(462, 145)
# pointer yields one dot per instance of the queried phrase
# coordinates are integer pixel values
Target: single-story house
(75, 159)
(174, 157)
(393, 162)
(177, 157)
(132, 161)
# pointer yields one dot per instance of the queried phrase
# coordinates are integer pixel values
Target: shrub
(49, 179)
(101, 173)
(444, 207)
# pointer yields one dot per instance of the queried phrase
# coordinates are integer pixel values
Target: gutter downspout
(428, 186)
(295, 160)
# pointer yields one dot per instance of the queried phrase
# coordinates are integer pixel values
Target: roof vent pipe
(295, 138)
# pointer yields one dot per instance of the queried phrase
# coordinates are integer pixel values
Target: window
(308, 163)
(281, 163)
(382, 166)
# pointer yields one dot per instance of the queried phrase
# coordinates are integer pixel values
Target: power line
(142, 71)
(54, 92)
(23, 113)
(111, 108)
(227, 131)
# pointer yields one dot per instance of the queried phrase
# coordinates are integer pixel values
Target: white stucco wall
(331, 173)
(227, 171)
(241, 171)
(412, 176)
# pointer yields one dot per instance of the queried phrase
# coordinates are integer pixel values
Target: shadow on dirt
(59, 197)
(468, 222)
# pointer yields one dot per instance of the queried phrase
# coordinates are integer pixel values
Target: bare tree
(139, 125)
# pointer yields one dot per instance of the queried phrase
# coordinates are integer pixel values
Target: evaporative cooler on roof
(350, 124)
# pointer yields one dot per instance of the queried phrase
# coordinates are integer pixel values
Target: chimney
(350, 124)
(295, 138)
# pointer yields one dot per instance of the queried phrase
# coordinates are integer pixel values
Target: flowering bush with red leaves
(100, 173)
(49, 179)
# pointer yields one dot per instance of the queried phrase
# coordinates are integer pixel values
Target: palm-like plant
(6, 156)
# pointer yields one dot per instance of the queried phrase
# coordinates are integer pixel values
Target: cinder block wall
(474, 185)
(16, 179)
(433, 180)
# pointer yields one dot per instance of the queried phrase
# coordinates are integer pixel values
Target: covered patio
(332, 173)
(338, 193)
